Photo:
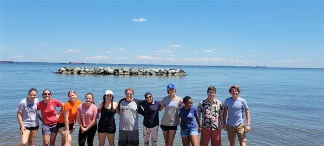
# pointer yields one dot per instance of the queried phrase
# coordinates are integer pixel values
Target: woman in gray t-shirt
(170, 119)
(27, 118)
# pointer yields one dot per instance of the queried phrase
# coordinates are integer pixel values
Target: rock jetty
(121, 71)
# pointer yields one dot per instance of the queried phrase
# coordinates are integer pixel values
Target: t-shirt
(151, 113)
(28, 110)
(87, 114)
(72, 108)
(128, 115)
(188, 118)
(235, 109)
(171, 112)
(48, 111)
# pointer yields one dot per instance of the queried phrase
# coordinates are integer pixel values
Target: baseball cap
(170, 86)
(109, 92)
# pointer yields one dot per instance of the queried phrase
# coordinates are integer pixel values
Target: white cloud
(240, 56)
(120, 49)
(74, 50)
(139, 20)
(202, 60)
(196, 51)
(109, 51)
(162, 51)
(144, 57)
(44, 43)
(290, 61)
(174, 46)
(17, 56)
(209, 51)
(97, 57)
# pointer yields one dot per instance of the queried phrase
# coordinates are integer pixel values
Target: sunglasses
(148, 97)
(129, 93)
(46, 93)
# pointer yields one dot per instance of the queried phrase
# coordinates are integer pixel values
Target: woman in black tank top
(107, 126)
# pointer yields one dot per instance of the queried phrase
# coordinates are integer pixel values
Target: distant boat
(6, 62)
(76, 63)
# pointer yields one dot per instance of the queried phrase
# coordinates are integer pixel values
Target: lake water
(286, 105)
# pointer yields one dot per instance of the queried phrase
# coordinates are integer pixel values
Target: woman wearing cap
(107, 126)
(170, 119)
(151, 119)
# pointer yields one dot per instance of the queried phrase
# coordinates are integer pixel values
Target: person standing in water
(87, 119)
(151, 119)
(235, 107)
(27, 117)
(170, 119)
(49, 117)
(189, 118)
(107, 126)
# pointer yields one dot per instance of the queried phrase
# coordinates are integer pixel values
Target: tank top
(107, 115)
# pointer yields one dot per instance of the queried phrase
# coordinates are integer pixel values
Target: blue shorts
(188, 132)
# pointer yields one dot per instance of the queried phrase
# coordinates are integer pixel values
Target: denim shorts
(188, 132)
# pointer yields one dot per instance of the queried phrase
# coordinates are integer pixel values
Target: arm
(198, 121)
(80, 123)
(162, 105)
(66, 122)
(99, 106)
(22, 127)
(247, 113)
(224, 117)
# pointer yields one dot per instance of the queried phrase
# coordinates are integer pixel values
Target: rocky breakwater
(121, 71)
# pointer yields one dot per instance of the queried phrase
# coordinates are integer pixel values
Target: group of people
(214, 116)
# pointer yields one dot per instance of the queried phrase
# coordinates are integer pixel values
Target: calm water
(286, 105)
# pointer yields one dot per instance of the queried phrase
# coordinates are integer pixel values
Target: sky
(279, 33)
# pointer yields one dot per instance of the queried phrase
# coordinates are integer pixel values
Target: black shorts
(167, 128)
(32, 128)
(60, 125)
(105, 128)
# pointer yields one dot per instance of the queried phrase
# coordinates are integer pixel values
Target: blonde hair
(236, 87)
(72, 91)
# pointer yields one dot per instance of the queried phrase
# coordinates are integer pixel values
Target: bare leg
(165, 135)
(102, 138)
(185, 141)
(111, 139)
(24, 138)
(194, 140)
(32, 137)
(171, 136)
(46, 140)
(53, 138)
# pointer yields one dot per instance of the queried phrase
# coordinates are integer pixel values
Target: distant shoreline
(162, 65)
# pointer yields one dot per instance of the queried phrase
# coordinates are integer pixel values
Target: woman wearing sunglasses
(49, 117)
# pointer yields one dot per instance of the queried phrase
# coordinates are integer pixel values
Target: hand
(224, 127)
(73, 128)
(57, 116)
(199, 129)
(247, 128)
(83, 129)
(22, 130)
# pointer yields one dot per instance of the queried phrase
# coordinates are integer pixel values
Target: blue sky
(231, 33)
